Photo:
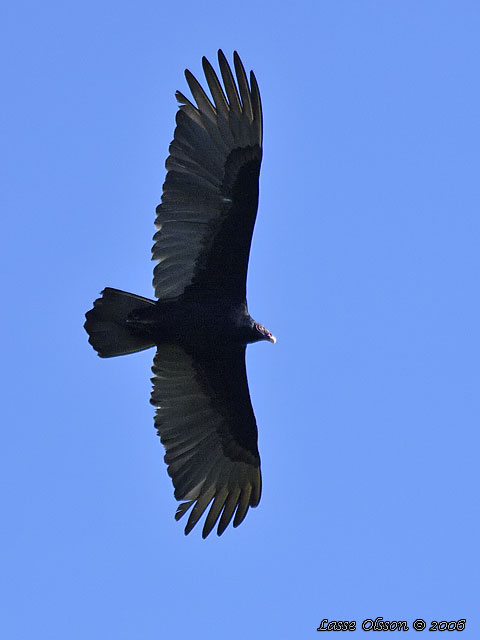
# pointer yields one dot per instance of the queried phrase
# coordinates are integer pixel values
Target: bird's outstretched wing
(206, 423)
(210, 195)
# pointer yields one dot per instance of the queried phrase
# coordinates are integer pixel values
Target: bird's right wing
(210, 196)
(206, 423)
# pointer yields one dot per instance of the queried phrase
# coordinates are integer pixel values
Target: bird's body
(199, 323)
(193, 322)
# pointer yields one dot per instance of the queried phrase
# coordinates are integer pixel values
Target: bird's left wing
(209, 203)
(206, 423)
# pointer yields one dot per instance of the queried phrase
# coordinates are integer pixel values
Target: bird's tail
(109, 333)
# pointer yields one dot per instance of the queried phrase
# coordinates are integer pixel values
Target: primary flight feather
(199, 323)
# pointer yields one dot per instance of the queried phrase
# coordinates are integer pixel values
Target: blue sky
(365, 264)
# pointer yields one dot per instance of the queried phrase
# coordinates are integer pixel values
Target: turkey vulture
(199, 323)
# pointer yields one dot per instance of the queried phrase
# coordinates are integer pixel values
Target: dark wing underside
(206, 423)
(210, 195)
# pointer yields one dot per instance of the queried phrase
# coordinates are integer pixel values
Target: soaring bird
(200, 323)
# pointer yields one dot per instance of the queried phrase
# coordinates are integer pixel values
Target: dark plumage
(200, 323)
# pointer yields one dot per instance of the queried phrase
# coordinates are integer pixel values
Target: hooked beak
(272, 338)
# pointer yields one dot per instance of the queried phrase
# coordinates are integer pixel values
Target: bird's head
(262, 333)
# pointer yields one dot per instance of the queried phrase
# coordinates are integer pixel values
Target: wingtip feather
(228, 511)
(182, 509)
